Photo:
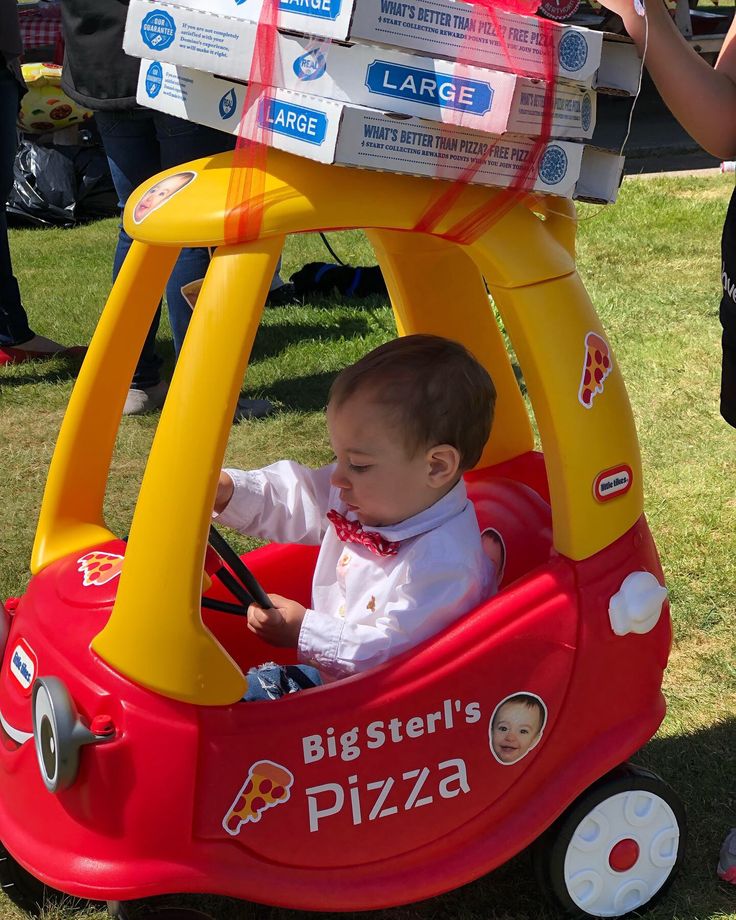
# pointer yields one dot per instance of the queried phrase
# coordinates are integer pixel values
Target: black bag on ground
(349, 280)
(60, 186)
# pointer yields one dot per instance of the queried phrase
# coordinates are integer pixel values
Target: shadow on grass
(301, 394)
(271, 341)
(337, 300)
(54, 371)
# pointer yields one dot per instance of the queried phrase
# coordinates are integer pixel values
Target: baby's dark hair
(528, 700)
(436, 390)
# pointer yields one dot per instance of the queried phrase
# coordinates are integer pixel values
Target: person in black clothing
(139, 143)
(703, 99)
(18, 342)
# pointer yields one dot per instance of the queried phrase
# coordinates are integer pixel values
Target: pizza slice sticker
(266, 786)
(98, 568)
(597, 365)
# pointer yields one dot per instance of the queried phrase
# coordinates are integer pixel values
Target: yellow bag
(46, 107)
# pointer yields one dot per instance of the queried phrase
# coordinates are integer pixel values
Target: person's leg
(129, 139)
(14, 328)
(180, 142)
(18, 342)
(271, 681)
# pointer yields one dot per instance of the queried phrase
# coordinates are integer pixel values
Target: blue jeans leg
(179, 142)
(14, 328)
(272, 681)
(140, 143)
(132, 154)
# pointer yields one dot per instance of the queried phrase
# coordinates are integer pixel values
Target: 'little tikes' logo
(23, 665)
(613, 483)
(99, 568)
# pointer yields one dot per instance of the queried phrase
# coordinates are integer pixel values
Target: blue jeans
(271, 681)
(140, 143)
(14, 328)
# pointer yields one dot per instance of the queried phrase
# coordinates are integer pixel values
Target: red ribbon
(477, 222)
(246, 190)
(245, 196)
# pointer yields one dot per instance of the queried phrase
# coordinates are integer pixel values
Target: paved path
(674, 173)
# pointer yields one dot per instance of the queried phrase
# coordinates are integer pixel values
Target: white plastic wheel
(621, 853)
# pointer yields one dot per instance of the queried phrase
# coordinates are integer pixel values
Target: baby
(157, 194)
(400, 555)
(517, 726)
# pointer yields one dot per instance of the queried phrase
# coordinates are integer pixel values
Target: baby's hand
(278, 625)
(225, 488)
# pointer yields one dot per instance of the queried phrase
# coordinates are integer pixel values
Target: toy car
(130, 767)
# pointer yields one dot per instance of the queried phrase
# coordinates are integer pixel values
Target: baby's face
(377, 477)
(159, 192)
(516, 727)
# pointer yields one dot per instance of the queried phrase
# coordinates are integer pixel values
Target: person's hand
(620, 7)
(280, 624)
(225, 488)
(633, 21)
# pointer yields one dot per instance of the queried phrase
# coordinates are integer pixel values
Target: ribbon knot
(353, 532)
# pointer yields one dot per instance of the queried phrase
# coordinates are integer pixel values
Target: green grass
(651, 264)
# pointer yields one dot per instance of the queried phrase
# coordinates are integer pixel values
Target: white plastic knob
(638, 604)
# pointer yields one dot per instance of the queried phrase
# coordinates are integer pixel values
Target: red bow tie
(352, 532)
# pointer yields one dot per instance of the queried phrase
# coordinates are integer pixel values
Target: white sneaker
(252, 408)
(140, 402)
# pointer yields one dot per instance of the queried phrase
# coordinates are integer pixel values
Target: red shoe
(727, 860)
(10, 354)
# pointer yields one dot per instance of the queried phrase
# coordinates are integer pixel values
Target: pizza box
(435, 89)
(350, 135)
(451, 29)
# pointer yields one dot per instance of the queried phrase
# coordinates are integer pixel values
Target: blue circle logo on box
(586, 112)
(573, 51)
(228, 104)
(310, 66)
(154, 79)
(553, 165)
(158, 30)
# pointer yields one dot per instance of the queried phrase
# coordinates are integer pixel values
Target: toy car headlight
(58, 733)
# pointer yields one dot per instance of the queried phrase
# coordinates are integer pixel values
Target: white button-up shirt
(366, 608)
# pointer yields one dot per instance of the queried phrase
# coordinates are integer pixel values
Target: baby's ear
(444, 465)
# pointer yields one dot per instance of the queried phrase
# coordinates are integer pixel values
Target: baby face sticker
(159, 194)
(516, 727)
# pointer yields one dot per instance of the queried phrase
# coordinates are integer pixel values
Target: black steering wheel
(237, 578)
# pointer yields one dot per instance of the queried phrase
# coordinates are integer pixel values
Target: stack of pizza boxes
(427, 87)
